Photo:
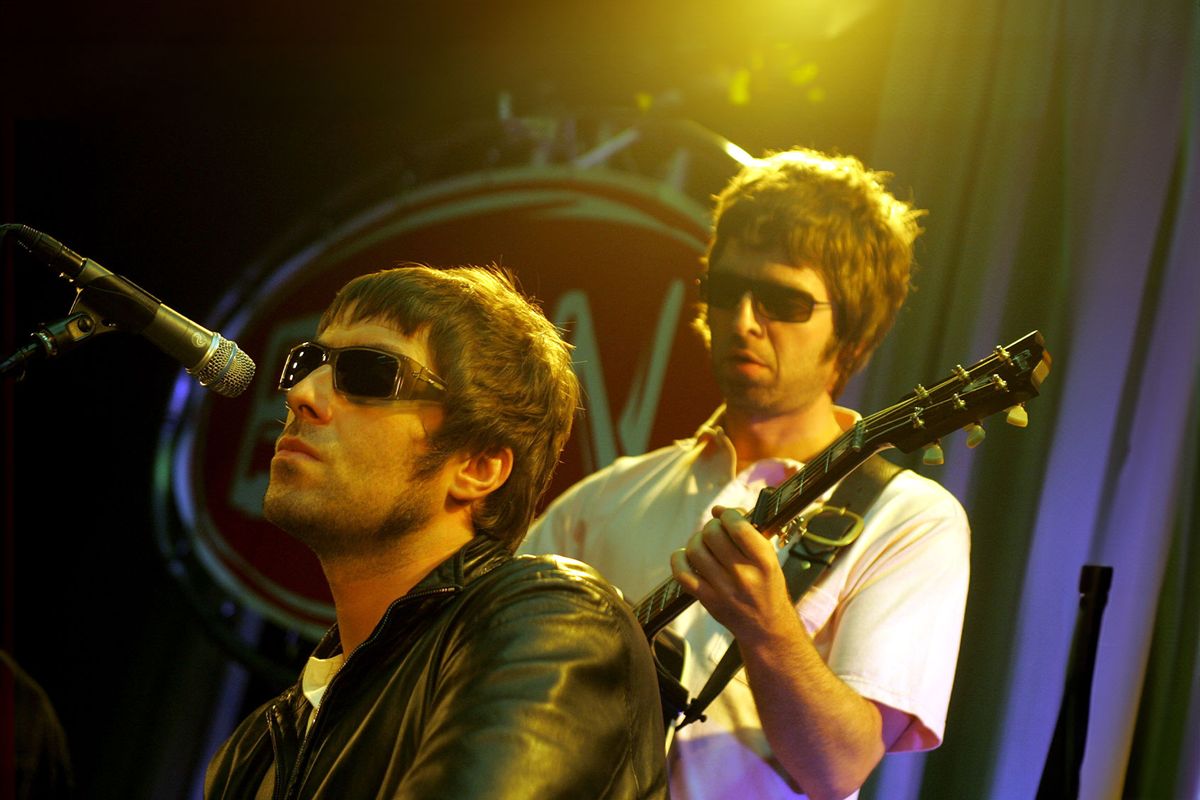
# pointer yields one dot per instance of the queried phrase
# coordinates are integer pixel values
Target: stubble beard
(335, 532)
(761, 399)
(743, 393)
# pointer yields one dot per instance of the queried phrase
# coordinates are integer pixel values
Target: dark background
(173, 145)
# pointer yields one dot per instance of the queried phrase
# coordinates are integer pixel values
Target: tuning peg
(975, 435)
(1017, 416)
(933, 454)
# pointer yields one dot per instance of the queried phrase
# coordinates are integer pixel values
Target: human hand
(732, 569)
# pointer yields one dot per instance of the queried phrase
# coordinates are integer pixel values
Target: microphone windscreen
(228, 371)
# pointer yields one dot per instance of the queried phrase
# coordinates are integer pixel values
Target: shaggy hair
(507, 371)
(832, 214)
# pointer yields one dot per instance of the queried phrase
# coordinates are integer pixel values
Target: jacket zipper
(275, 729)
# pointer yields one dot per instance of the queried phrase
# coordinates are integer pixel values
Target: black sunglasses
(725, 290)
(363, 372)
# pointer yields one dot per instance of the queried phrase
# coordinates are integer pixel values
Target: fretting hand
(734, 572)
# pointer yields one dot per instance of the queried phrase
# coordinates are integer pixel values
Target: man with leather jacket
(423, 424)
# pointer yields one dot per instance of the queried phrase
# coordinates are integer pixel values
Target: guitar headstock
(1005, 379)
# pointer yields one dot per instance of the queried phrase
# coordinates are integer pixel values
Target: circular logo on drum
(605, 229)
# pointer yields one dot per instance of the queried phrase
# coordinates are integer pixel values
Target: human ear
(479, 475)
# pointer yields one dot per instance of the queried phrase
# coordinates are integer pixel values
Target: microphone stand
(54, 339)
(1060, 773)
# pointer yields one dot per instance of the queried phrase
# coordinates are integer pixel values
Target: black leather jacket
(495, 677)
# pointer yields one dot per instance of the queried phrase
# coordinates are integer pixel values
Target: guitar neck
(1004, 379)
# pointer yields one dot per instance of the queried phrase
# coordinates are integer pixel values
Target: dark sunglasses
(725, 290)
(362, 373)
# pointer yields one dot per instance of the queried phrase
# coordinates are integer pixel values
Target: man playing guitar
(807, 267)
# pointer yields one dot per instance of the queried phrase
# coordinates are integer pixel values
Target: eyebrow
(770, 283)
(368, 345)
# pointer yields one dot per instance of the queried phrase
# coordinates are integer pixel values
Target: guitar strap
(808, 558)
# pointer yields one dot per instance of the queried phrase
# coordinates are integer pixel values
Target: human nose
(310, 399)
(745, 315)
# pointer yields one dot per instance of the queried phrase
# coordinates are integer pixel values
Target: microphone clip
(83, 323)
(53, 339)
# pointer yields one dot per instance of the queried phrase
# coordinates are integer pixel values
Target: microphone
(213, 360)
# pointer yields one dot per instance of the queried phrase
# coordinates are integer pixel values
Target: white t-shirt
(315, 679)
(886, 617)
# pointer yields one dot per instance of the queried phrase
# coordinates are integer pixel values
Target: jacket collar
(473, 559)
(477, 557)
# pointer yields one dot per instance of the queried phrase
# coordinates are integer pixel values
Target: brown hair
(507, 371)
(834, 215)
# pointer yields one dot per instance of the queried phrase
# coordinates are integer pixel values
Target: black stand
(50, 340)
(1060, 775)
(83, 323)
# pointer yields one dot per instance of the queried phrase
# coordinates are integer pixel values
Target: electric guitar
(1005, 379)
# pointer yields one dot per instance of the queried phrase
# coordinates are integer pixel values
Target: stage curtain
(1055, 144)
